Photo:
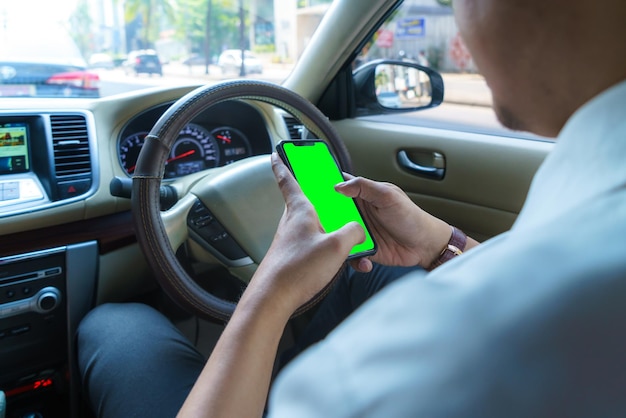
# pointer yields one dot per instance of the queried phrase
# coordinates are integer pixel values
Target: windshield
(87, 48)
(98, 48)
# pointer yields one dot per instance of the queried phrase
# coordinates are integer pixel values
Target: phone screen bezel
(353, 213)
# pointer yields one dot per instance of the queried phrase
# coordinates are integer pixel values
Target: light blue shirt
(531, 323)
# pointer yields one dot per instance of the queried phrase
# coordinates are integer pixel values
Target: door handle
(431, 172)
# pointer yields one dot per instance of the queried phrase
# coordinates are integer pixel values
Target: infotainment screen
(13, 148)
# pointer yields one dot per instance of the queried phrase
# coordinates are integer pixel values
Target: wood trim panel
(111, 231)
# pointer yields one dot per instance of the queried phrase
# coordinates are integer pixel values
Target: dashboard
(59, 156)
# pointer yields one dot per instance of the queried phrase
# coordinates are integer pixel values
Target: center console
(43, 297)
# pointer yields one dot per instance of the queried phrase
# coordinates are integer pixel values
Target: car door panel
(485, 178)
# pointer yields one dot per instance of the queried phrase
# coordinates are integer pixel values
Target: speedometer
(194, 150)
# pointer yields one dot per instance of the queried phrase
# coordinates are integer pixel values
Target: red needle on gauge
(223, 138)
(183, 155)
(178, 157)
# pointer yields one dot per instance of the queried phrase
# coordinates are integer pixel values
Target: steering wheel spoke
(246, 201)
(175, 221)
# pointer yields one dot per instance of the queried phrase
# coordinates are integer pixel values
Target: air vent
(70, 142)
(294, 126)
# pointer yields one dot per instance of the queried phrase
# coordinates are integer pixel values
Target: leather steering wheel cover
(148, 174)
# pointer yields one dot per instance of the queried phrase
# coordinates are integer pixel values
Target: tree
(207, 36)
(150, 12)
(208, 26)
(80, 28)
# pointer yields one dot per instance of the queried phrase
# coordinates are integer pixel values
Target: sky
(34, 13)
(31, 28)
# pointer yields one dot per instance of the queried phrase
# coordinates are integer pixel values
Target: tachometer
(128, 151)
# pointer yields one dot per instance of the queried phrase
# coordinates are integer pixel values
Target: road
(467, 99)
(116, 81)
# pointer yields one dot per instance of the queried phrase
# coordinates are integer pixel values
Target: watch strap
(455, 247)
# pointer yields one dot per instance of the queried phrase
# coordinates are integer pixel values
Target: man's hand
(303, 258)
(405, 234)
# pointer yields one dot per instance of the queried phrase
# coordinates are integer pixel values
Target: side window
(424, 32)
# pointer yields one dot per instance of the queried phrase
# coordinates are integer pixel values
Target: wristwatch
(455, 247)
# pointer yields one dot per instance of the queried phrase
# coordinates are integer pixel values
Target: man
(527, 324)
(523, 325)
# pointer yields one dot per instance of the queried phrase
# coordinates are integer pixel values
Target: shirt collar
(588, 160)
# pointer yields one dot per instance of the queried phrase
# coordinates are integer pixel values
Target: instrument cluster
(223, 134)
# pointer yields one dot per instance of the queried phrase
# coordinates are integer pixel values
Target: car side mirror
(385, 86)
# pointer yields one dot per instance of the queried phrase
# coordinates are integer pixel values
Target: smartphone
(317, 173)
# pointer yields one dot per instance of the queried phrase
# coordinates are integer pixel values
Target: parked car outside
(389, 99)
(44, 66)
(230, 62)
(143, 61)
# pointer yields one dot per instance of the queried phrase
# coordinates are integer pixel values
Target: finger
(349, 235)
(363, 188)
(362, 265)
(287, 184)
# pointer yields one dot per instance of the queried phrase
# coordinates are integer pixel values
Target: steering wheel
(234, 228)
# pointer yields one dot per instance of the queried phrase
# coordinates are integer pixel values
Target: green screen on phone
(317, 173)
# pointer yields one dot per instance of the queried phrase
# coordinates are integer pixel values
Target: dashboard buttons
(18, 191)
(73, 188)
(15, 331)
(44, 301)
(22, 329)
(204, 224)
(9, 190)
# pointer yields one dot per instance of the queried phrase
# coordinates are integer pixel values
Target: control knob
(48, 299)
